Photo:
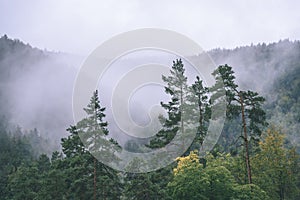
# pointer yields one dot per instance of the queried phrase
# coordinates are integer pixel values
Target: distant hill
(259, 66)
(36, 88)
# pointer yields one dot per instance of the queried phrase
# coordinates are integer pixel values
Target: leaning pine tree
(245, 104)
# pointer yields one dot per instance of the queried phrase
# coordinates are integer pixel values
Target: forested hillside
(42, 151)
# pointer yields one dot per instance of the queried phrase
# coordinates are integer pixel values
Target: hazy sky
(80, 26)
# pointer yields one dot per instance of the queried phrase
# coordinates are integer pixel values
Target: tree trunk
(181, 115)
(246, 141)
(95, 180)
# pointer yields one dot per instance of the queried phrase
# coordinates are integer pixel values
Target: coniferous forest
(42, 155)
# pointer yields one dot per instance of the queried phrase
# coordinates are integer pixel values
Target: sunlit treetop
(188, 162)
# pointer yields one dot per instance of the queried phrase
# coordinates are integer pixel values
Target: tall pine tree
(90, 137)
(177, 88)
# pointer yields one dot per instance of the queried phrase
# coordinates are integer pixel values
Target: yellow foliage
(190, 161)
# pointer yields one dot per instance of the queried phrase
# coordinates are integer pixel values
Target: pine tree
(173, 123)
(93, 131)
(90, 136)
(200, 110)
(245, 104)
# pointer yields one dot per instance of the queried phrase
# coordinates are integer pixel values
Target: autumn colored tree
(276, 167)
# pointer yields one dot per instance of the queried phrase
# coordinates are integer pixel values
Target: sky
(78, 27)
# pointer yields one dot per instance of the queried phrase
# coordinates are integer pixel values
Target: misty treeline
(251, 160)
(36, 85)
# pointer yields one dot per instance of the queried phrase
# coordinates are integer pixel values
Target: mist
(36, 86)
(36, 91)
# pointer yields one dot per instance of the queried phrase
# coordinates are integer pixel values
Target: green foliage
(24, 183)
(151, 185)
(146, 186)
(54, 180)
(93, 131)
(15, 151)
(249, 192)
(29, 180)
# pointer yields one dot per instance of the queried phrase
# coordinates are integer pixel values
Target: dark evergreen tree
(15, 151)
(177, 89)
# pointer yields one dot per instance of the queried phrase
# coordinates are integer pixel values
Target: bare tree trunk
(95, 179)
(246, 141)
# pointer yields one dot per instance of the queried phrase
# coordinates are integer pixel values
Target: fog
(36, 88)
(258, 67)
(78, 27)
